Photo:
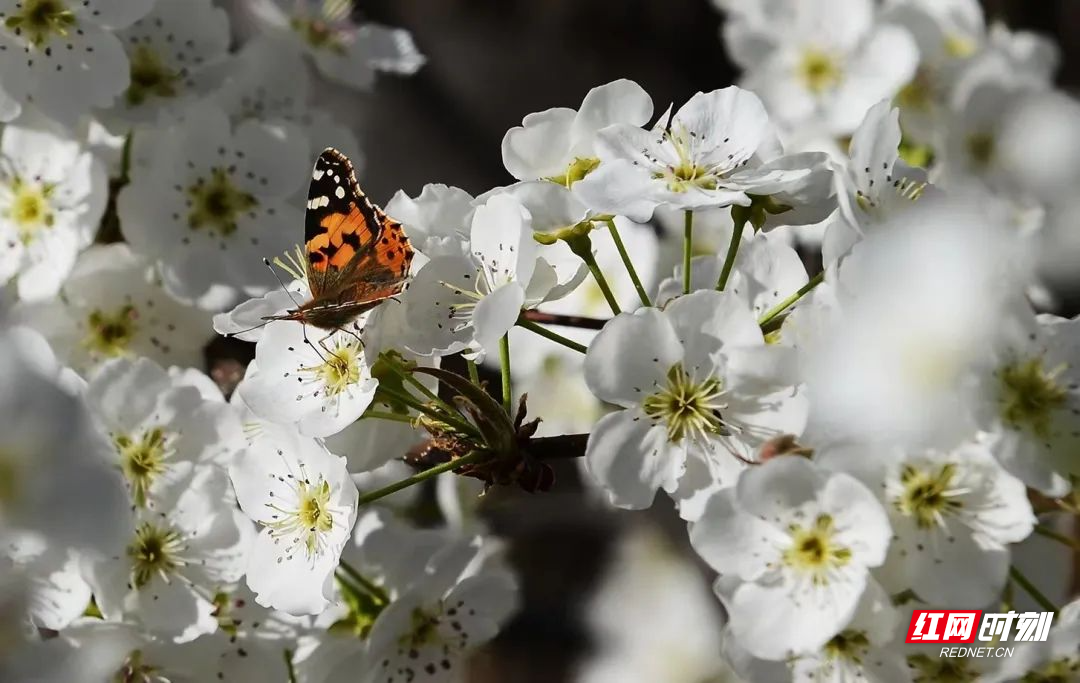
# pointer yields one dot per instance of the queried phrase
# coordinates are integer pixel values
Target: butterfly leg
(354, 331)
(333, 354)
(315, 347)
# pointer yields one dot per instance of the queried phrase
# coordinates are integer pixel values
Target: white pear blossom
(319, 381)
(699, 392)
(876, 185)
(62, 56)
(794, 545)
(715, 151)
(439, 221)
(948, 34)
(953, 516)
(469, 302)
(269, 81)
(113, 306)
(305, 503)
(179, 556)
(1054, 659)
(95, 650)
(867, 649)
(210, 205)
(52, 196)
(343, 50)
(55, 481)
(175, 53)
(453, 605)
(558, 144)
(160, 430)
(901, 357)
(1034, 406)
(821, 63)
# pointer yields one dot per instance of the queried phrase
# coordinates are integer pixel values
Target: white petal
(631, 357)
(733, 542)
(502, 240)
(496, 313)
(539, 148)
(630, 458)
(619, 187)
(621, 101)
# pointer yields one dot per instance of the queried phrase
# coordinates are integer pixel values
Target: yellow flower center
(37, 21)
(308, 520)
(927, 494)
(142, 459)
(981, 149)
(216, 204)
(575, 171)
(918, 94)
(319, 31)
(150, 77)
(686, 173)
(135, 671)
(156, 551)
(110, 333)
(848, 645)
(689, 408)
(1029, 396)
(30, 209)
(339, 370)
(814, 550)
(960, 46)
(819, 71)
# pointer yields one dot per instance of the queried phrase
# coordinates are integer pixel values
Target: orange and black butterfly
(355, 255)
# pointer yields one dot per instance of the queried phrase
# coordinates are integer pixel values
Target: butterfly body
(355, 256)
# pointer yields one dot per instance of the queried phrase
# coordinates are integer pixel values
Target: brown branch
(558, 447)
(564, 320)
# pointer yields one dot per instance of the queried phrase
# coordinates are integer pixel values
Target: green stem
(125, 158)
(582, 246)
(419, 477)
(1060, 538)
(738, 223)
(642, 294)
(687, 248)
(441, 416)
(1031, 590)
(420, 386)
(504, 365)
(365, 583)
(290, 672)
(387, 415)
(787, 303)
(553, 336)
(474, 372)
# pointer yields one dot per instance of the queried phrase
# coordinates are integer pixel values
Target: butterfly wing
(356, 253)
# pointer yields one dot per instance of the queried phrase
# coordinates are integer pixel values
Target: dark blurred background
(490, 62)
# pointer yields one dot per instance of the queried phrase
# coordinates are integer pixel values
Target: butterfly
(355, 256)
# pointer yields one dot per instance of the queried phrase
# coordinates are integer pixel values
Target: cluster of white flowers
(843, 448)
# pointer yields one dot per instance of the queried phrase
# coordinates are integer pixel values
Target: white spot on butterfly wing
(317, 174)
(340, 192)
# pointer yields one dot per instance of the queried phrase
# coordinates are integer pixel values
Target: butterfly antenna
(281, 282)
(230, 335)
